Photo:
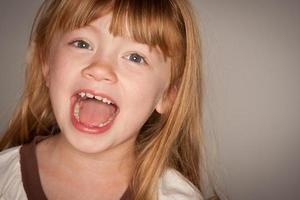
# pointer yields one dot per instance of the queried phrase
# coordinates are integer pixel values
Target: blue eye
(81, 44)
(134, 57)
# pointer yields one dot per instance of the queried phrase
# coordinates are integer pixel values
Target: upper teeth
(91, 96)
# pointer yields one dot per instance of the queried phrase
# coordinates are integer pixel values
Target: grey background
(252, 74)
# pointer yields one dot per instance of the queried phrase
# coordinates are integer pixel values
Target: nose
(100, 71)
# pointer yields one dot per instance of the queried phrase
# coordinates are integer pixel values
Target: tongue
(94, 112)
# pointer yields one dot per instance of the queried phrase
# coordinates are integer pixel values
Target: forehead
(102, 24)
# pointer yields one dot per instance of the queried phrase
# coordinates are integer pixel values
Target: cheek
(61, 63)
(141, 96)
(61, 69)
(146, 91)
(60, 78)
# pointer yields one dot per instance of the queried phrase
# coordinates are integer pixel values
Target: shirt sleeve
(173, 186)
(11, 186)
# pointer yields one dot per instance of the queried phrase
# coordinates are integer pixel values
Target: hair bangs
(151, 22)
(81, 13)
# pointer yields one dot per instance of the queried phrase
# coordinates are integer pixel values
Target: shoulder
(9, 161)
(174, 186)
(11, 178)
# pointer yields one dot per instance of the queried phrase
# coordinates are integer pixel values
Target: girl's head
(144, 55)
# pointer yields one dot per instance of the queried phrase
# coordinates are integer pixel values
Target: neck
(118, 162)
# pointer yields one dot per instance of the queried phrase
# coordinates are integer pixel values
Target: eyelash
(77, 43)
(137, 56)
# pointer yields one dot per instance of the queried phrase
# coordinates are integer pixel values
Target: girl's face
(91, 62)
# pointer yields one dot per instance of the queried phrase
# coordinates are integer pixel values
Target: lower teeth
(105, 123)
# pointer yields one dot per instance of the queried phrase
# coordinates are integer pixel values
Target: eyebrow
(91, 28)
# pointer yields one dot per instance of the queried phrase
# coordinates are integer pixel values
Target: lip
(82, 127)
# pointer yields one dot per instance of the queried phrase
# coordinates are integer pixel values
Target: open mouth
(93, 113)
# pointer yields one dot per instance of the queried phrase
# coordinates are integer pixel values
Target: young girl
(111, 107)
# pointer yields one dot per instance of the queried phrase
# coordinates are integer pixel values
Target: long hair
(171, 140)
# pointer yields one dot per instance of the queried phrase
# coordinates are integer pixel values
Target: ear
(45, 70)
(166, 101)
